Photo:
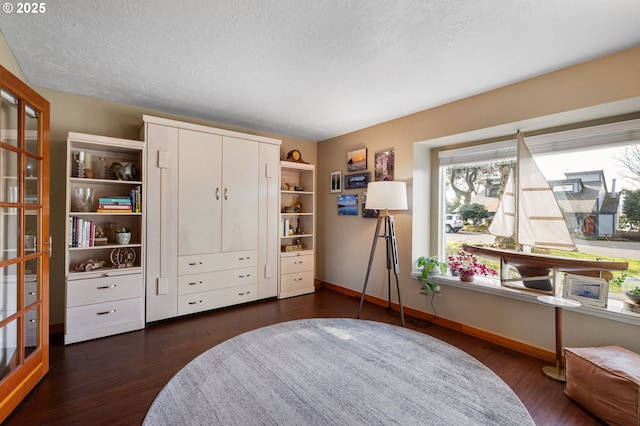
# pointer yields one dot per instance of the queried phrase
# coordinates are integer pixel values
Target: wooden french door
(25, 244)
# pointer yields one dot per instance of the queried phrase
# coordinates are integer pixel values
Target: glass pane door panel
(32, 230)
(8, 233)
(31, 122)
(8, 291)
(32, 176)
(8, 349)
(31, 327)
(9, 176)
(31, 288)
(9, 119)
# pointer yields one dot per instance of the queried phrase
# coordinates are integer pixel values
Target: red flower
(466, 263)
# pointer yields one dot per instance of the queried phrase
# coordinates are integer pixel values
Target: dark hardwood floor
(114, 380)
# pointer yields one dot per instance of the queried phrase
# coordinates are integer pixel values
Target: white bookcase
(297, 228)
(104, 270)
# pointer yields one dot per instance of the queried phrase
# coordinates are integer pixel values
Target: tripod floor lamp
(386, 195)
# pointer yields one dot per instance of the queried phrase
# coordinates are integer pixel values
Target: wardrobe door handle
(217, 193)
(226, 194)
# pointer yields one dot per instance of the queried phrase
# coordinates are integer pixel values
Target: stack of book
(136, 199)
(116, 204)
(82, 233)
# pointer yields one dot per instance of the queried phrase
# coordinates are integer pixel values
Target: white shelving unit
(297, 229)
(104, 279)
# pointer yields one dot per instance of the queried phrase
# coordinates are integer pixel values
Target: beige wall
(602, 87)
(73, 113)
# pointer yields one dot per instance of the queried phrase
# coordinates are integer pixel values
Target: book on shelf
(136, 199)
(82, 233)
(122, 203)
(116, 210)
(115, 200)
(116, 204)
(286, 228)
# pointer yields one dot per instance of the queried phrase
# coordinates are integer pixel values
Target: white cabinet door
(161, 208)
(240, 207)
(200, 192)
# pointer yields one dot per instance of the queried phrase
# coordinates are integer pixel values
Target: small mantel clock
(295, 156)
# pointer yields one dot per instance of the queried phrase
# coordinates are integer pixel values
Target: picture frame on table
(336, 181)
(357, 180)
(590, 291)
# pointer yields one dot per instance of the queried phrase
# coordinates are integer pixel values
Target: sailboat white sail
(538, 221)
(529, 212)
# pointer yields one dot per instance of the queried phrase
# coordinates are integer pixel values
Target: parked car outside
(453, 222)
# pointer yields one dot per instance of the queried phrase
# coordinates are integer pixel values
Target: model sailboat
(529, 212)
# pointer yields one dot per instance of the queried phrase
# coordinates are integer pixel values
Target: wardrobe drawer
(208, 281)
(100, 315)
(294, 264)
(199, 263)
(197, 302)
(103, 289)
(296, 281)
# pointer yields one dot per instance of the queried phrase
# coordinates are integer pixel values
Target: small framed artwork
(368, 213)
(348, 205)
(357, 181)
(336, 181)
(357, 160)
(384, 165)
(589, 291)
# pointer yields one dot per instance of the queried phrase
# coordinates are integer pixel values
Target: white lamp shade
(389, 195)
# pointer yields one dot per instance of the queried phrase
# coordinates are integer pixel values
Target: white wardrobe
(212, 218)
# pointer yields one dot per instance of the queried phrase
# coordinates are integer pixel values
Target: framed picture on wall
(336, 181)
(368, 213)
(384, 165)
(348, 205)
(357, 160)
(357, 180)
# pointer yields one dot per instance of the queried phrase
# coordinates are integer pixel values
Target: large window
(592, 172)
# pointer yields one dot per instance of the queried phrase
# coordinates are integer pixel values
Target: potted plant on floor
(468, 266)
(429, 267)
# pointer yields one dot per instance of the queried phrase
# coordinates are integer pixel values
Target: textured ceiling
(307, 68)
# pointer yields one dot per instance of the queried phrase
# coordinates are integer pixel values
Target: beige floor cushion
(606, 381)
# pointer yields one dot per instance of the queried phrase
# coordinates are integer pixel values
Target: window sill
(614, 310)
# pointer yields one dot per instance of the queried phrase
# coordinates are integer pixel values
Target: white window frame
(431, 157)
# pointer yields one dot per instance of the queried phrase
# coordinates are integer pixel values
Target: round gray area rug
(336, 372)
